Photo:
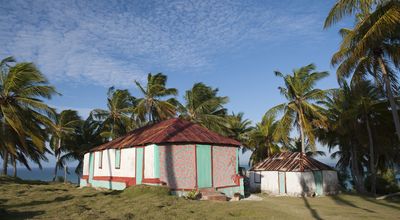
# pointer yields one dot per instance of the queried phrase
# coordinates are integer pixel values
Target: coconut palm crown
(300, 110)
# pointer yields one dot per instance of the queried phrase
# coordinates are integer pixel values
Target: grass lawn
(38, 200)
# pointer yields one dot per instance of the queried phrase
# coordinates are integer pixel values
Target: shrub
(193, 195)
(385, 183)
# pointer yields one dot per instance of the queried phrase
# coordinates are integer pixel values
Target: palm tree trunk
(57, 159)
(372, 158)
(14, 162)
(303, 150)
(5, 162)
(390, 96)
(355, 172)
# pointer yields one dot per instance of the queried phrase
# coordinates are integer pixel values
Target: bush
(193, 195)
(385, 183)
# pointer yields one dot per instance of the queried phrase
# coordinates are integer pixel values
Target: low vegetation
(41, 200)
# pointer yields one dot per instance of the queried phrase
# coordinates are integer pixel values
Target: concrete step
(212, 194)
(215, 197)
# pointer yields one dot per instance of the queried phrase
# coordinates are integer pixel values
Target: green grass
(38, 200)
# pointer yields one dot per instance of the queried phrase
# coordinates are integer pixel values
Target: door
(282, 182)
(318, 182)
(139, 165)
(204, 178)
(91, 167)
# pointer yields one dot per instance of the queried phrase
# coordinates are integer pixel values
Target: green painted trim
(117, 158)
(139, 165)
(156, 161)
(318, 178)
(91, 167)
(204, 179)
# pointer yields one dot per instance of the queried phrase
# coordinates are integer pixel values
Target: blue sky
(84, 47)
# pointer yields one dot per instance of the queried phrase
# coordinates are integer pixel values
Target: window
(117, 158)
(100, 159)
(257, 177)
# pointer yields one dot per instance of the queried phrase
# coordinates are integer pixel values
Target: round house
(175, 153)
(293, 174)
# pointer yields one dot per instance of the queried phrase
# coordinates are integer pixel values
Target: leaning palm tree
(204, 106)
(376, 61)
(152, 106)
(116, 120)
(22, 88)
(17, 152)
(66, 124)
(300, 111)
(379, 25)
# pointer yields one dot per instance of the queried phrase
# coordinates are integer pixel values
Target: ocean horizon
(45, 174)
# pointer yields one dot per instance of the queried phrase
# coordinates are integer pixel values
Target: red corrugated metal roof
(169, 132)
(289, 161)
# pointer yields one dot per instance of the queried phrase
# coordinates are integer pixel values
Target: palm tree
(204, 106)
(362, 52)
(355, 112)
(263, 139)
(300, 111)
(117, 119)
(378, 26)
(19, 153)
(151, 106)
(237, 127)
(295, 146)
(65, 126)
(22, 87)
(340, 133)
(87, 137)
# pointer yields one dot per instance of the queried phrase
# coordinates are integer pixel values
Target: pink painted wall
(224, 166)
(177, 166)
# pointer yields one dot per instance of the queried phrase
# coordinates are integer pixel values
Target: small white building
(293, 174)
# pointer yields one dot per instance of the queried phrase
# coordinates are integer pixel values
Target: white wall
(269, 182)
(330, 182)
(127, 167)
(149, 161)
(298, 183)
(86, 164)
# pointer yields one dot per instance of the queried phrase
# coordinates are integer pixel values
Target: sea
(44, 174)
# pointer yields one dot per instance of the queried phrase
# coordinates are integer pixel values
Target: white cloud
(107, 43)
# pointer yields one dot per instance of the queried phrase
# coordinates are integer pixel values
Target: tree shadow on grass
(313, 212)
(113, 192)
(340, 201)
(40, 202)
(10, 215)
(52, 190)
(305, 189)
(377, 202)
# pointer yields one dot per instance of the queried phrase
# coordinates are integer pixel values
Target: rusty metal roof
(290, 161)
(170, 131)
